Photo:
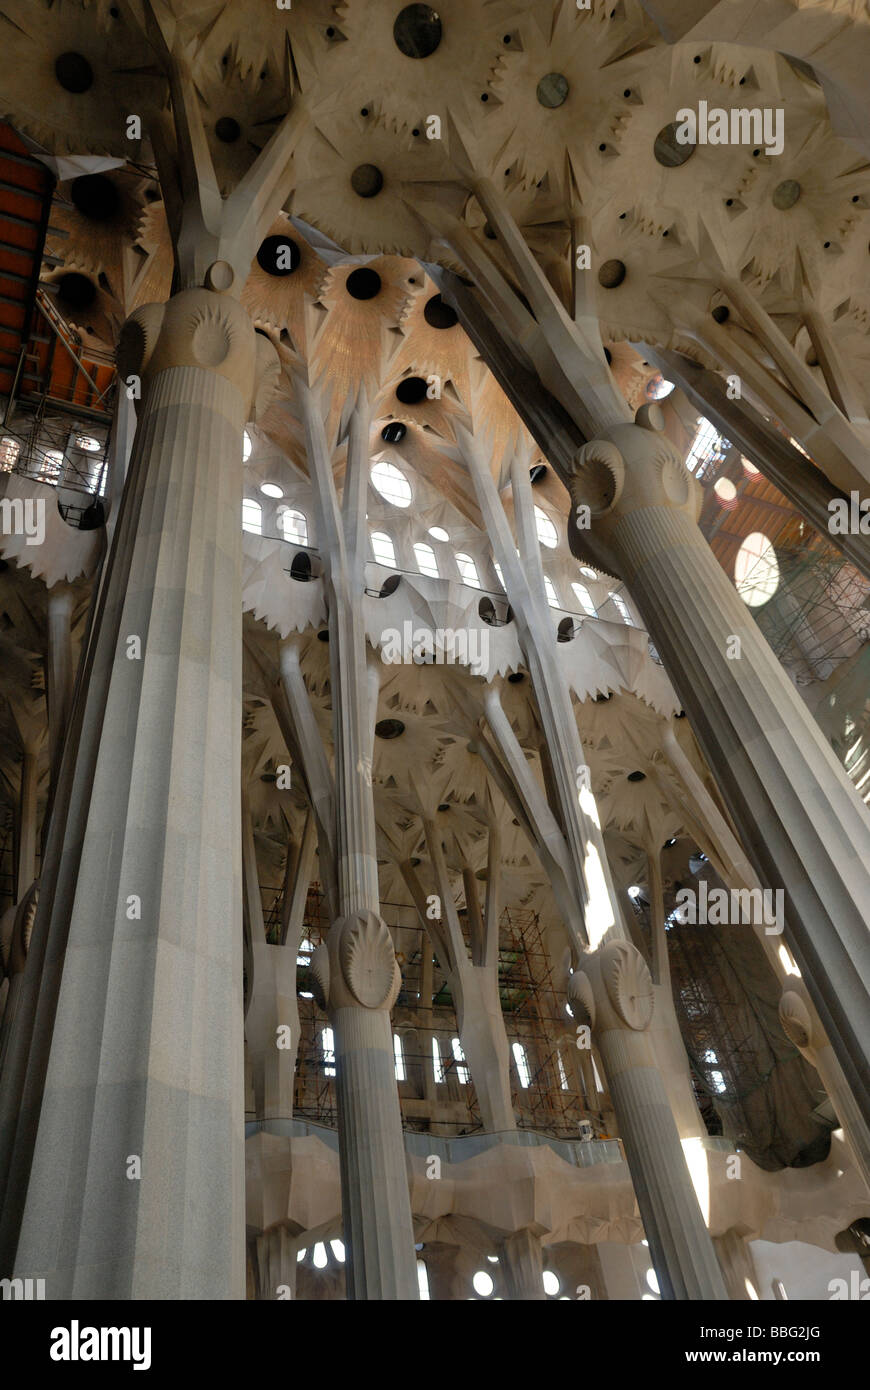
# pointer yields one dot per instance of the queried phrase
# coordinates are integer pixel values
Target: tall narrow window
(425, 557)
(51, 467)
(294, 525)
(563, 1075)
(399, 1056)
(327, 1043)
(621, 607)
(547, 534)
(467, 570)
(584, 598)
(437, 1063)
(497, 567)
(383, 549)
(422, 1280)
(459, 1059)
(522, 1065)
(252, 517)
(552, 596)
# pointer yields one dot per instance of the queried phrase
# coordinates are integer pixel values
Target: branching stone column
(354, 972)
(59, 672)
(795, 810)
(137, 1180)
(613, 996)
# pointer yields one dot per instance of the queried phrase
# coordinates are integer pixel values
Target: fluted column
(523, 1265)
(136, 1187)
(613, 995)
(738, 1266)
(804, 827)
(59, 672)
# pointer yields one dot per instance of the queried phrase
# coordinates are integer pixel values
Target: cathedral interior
(435, 649)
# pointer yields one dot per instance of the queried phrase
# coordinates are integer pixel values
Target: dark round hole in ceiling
(96, 197)
(394, 433)
(367, 180)
(227, 129)
(444, 806)
(516, 676)
(668, 150)
(389, 728)
(552, 90)
(363, 283)
(537, 473)
(438, 314)
(76, 290)
(636, 776)
(611, 274)
(74, 73)
(278, 255)
(417, 31)
(323, 635)
(412, 390)
(721, 313)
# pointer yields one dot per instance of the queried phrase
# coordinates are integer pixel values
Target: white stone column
(136, 1184)
(613, 996)
(803, 825)
(355, 975)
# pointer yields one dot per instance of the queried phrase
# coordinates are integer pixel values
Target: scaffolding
(436, 1089)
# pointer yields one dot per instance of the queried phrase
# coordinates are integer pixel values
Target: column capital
(613, 989)
(356, 966)
(204, 328)
(801, 1024)
(628, 468)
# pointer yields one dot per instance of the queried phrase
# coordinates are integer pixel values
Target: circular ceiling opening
(786, 194)
(721, 313)
(412, 390)
(95, 197)
(227, 129)
(278, 255)
(74, 73)
(394, 433)
(611, 274)
(516, 676)
(76, 291)
(552, 90)
(389, 728)
(438, 314)
(668, 150)
(367, 180)
(363, 283)
(417, 31)
(637, 776)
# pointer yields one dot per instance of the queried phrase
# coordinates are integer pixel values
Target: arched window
(247, 446)
(327, 1043)
(621, 607)
(549, 590)
(422, 1280)
(584, 598)
(756, 570)
(252, 516)
(293, 525)
(547, 533)
(497, 567)
(51, 467)
(383, 549)
(391, 483)
(425, 557)
(399, 1056)
(522, 1065)
(563, 1075)
(467, 570)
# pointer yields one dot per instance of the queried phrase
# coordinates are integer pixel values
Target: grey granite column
(803, 825)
